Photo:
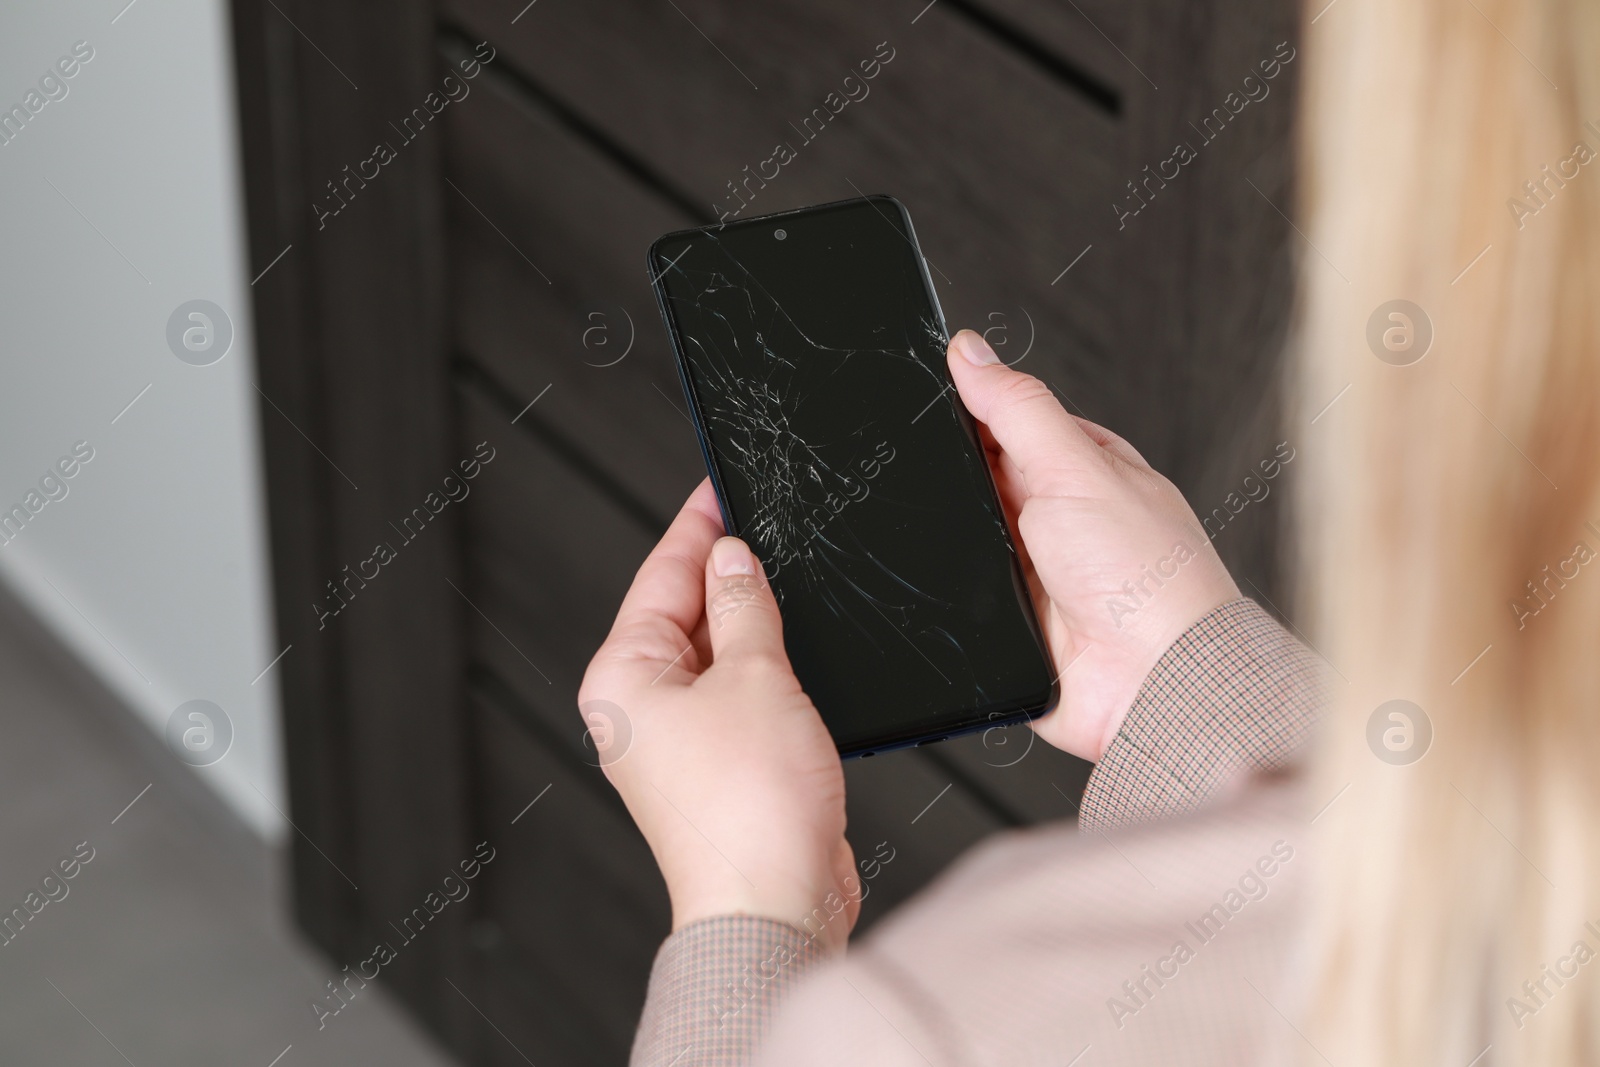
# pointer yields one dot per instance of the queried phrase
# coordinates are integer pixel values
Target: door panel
(489, 287)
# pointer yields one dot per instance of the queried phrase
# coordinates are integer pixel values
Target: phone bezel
(1009, 714)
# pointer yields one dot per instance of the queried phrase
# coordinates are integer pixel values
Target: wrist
(824, 913)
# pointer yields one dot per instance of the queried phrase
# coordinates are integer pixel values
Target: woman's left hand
(718, 754)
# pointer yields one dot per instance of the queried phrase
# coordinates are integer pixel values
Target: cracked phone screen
(814, 358)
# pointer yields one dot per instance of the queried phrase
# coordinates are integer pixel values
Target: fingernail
(730, 556)
(975, 349)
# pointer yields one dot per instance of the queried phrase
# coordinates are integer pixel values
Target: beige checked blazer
(1159, 930)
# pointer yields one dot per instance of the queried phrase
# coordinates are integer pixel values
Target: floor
(170, 945)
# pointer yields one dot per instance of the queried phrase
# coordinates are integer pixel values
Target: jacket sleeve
(1235, 693)
(714, 987)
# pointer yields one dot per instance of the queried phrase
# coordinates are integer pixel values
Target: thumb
(1026, 420)
(741, 614)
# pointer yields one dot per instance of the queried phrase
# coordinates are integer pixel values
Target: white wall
(153, 567)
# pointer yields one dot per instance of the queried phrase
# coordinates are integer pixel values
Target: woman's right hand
(1118, 564)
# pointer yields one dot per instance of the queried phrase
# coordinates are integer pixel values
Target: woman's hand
(720, 757)
(1118, 565)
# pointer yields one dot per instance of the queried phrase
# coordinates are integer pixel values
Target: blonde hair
(1433, 494)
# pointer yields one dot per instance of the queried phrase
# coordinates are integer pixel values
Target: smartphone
(811, 349)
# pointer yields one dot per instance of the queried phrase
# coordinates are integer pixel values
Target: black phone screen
(813, 355)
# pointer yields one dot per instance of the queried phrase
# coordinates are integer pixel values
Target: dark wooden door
(474, 430)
